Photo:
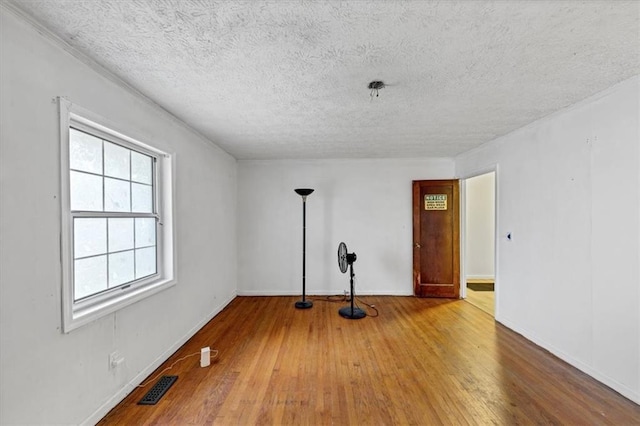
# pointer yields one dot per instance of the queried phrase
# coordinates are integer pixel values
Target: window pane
(85, 152)
(85, 192)
(89, 237)
(145, 262)
(120, 268)
(141, 170)
(117, 195)
(116, 161)
(145, 232)
(141, 198)
(90, 276)
(120, 234)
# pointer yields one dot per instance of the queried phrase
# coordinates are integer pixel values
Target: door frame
(463, 231)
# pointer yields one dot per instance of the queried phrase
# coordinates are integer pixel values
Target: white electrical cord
(214, 353)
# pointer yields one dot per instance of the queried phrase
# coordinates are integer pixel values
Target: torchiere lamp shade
(304, 191)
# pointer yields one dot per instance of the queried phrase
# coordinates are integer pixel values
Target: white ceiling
(288, 79)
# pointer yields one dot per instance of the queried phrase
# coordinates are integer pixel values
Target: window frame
(85, 310)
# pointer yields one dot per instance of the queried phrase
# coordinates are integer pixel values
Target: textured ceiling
(288, 79)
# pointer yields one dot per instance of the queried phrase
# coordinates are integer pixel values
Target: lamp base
(304, 304)
(349, 313)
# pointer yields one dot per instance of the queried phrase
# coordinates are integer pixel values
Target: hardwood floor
(421, 362)
(484, 300)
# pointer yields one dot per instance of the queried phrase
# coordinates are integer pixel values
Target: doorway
(479, 241)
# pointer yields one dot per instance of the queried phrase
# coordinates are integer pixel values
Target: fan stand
(351, 312)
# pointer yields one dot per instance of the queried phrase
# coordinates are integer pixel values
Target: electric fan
(345, 260)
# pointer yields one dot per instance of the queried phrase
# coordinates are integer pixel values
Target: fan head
(342, 257)
(345, 259)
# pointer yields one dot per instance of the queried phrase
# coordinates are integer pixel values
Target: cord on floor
(214, 353)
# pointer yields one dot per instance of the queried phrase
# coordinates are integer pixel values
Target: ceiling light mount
(375, 86)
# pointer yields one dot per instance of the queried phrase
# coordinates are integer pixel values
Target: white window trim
(77, 314)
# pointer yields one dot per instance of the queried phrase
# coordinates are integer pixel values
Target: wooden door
(436, 238)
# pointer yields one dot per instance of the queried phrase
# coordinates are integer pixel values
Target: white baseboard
(481, 277)
(359, 293)
(129, 387)
(603, 378)
(268, 293)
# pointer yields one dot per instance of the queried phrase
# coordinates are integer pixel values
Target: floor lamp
(304, 303)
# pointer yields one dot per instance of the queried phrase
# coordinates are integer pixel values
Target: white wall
(569, 191)
(479, 226)
(365, 203)
(48, 377)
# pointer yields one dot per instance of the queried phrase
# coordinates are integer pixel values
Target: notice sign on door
(435, 202)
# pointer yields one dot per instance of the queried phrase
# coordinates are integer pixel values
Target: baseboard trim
(260, 293)
(585, 368)
(481, 280)
(130, 386)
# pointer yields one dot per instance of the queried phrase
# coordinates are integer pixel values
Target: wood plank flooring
(484, 300)
(420, 362)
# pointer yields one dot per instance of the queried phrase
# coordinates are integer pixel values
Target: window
(116, 229)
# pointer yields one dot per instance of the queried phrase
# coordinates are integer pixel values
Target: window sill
(80, 317)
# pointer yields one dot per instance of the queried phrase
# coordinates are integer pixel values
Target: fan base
(348, 313)
(304, 304)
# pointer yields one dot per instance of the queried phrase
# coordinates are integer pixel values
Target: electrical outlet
(115, 359)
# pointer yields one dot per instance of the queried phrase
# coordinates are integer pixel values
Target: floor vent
(158, 390)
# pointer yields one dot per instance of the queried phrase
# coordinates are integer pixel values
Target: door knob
(417, 245)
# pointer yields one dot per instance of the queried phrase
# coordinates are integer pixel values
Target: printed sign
(435, 202)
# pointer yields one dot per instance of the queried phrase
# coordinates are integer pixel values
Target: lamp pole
(304, 192)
